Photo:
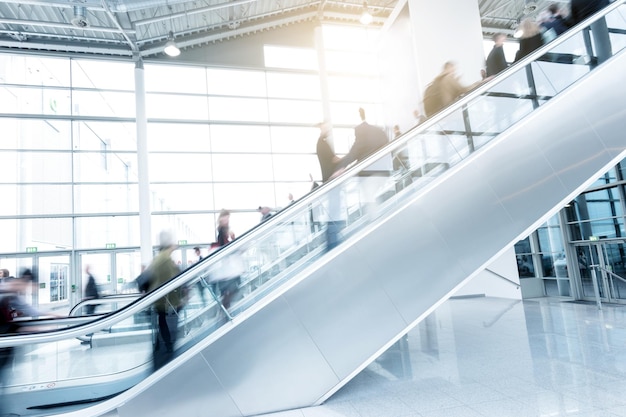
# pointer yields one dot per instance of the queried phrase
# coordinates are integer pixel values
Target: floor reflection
(495, 357)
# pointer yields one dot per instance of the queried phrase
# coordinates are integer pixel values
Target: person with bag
(226, 274)
(162, 269)
(445, 89)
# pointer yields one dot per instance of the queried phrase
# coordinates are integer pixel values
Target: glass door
(607, 260)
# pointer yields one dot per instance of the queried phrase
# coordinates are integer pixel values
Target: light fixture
(530, 6)
(171, 48)
(517, 29)
(366, 17)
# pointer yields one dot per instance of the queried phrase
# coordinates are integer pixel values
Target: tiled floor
(495, 357)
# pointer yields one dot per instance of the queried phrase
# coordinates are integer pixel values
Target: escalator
(470, 182)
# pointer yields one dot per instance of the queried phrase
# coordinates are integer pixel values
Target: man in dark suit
(582, 9)
(496, 60)
(367, 140)
(325, 154)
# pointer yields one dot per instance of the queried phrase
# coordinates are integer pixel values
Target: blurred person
(163, 269)
(445, 89)
(553, 20)
(396, 132)
(401, 162)
(14, 305)
(199, 284)
(367, 140)
(4, 273)
(224, 234)
(496, 61)
(265, 213)
(325, 154)
(198, 253)
(419, 117)
(91, 290)
(581, 10)
(225, 277)
(530, 40)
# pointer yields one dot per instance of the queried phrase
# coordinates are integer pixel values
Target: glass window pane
(35, 167)
(289, 57)
(43, 234)
(238, 109)
(35, 134)
(242, 167)
(351, 62)
(231, 138)
(190, 227)
(175, 79)
(294, 139)
(171, 106)
(182, 196)
(292, 111)
(103, 103)
(35, 199)
(104, 167)
(184, 167)
(101, 74)
(229, 82)
(347, 113)
(105, 136)
(34, 100)
(97, 232)
(178, 137)
(34, 70)
(106, 198)
(244, 196)
(289, 85)
(295, 167)
(355, 89)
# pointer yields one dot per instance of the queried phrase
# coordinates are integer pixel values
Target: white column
(447, 30)
(323, 74)
(145, 231)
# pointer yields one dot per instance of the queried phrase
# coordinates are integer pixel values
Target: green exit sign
(182, 242)
(110, 245)
(31, 249)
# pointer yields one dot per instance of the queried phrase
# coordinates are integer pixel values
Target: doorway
(607, 259)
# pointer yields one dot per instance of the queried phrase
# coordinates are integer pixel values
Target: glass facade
(592, 226)
(217, 138)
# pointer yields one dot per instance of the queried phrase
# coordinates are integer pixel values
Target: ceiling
(142, 27)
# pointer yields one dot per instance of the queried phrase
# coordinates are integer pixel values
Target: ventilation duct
(80, 19)
(123, 6)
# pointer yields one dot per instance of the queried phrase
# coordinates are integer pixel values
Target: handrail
(502, 277)
(298, 208)
(476, 92)
(611, 273)
(107, 299)
(594, 279)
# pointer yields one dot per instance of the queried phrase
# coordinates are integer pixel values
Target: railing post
(596, 290)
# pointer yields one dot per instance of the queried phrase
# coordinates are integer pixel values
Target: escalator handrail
(105, 299)
(301, 204)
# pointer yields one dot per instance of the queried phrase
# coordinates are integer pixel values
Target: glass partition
(241, 276)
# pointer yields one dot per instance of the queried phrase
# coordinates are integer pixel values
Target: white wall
(447, 30)
(490, 284)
